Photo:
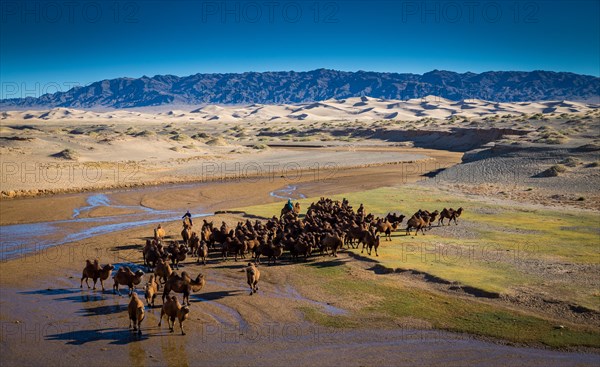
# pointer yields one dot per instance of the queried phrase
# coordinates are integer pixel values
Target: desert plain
(515, 281)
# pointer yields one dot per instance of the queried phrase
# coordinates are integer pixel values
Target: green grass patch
(497, 240)
(397, 302)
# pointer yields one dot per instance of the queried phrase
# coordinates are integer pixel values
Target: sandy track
(49, 319)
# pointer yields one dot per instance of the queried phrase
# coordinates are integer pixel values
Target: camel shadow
(133, 266)
(232, 266)
(103, 310)
(51, 292)
(380, 270)
(362, 257)
(82, 298)
(114, 335)
(213, 296)
(434, 173)
(327, 263)
(72, 295)
(128, 247)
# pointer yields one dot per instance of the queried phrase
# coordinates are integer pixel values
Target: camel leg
(162, 312)
(181, 326)
(95, 280)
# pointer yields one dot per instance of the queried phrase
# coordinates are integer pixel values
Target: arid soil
(47, 319)
(152, 168)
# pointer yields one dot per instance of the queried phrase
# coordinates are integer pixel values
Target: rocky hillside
(318, 85)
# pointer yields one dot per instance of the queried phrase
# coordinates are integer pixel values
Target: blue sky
(54, 43)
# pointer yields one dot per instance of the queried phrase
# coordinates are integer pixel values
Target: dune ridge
(350, 109)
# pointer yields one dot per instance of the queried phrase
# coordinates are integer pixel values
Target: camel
(432, 216)
(163, 270)
(151, 290)
(203, 252)
(286, 210)
(173, 309)
(95, 272)
(183, 284)
(186, 233)
(354, 232)
(187, 222)
(177, 253)
(333, 242)
(136, 312)
(270, 250)
(303, 247)
(417, 221)
(124, 276)
(194, 244)
(370, 241)
(451, 214)
(151, 254)
(206, 234)
(234, 245)
(457, 214)
(386, 227)
(252, 275)
(159, 233)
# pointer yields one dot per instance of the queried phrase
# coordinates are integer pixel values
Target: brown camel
(159, 233)
(183, 284)
(95, 272)
(295, 209)
(124, 276)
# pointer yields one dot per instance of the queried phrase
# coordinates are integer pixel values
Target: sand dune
(364, 108)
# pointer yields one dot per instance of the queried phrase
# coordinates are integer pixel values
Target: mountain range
(291, 87)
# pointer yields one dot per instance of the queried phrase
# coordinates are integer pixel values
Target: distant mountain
(317, 85)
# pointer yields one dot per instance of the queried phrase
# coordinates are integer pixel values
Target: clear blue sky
(57, 42)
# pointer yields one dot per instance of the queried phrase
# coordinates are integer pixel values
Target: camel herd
(327, 227)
